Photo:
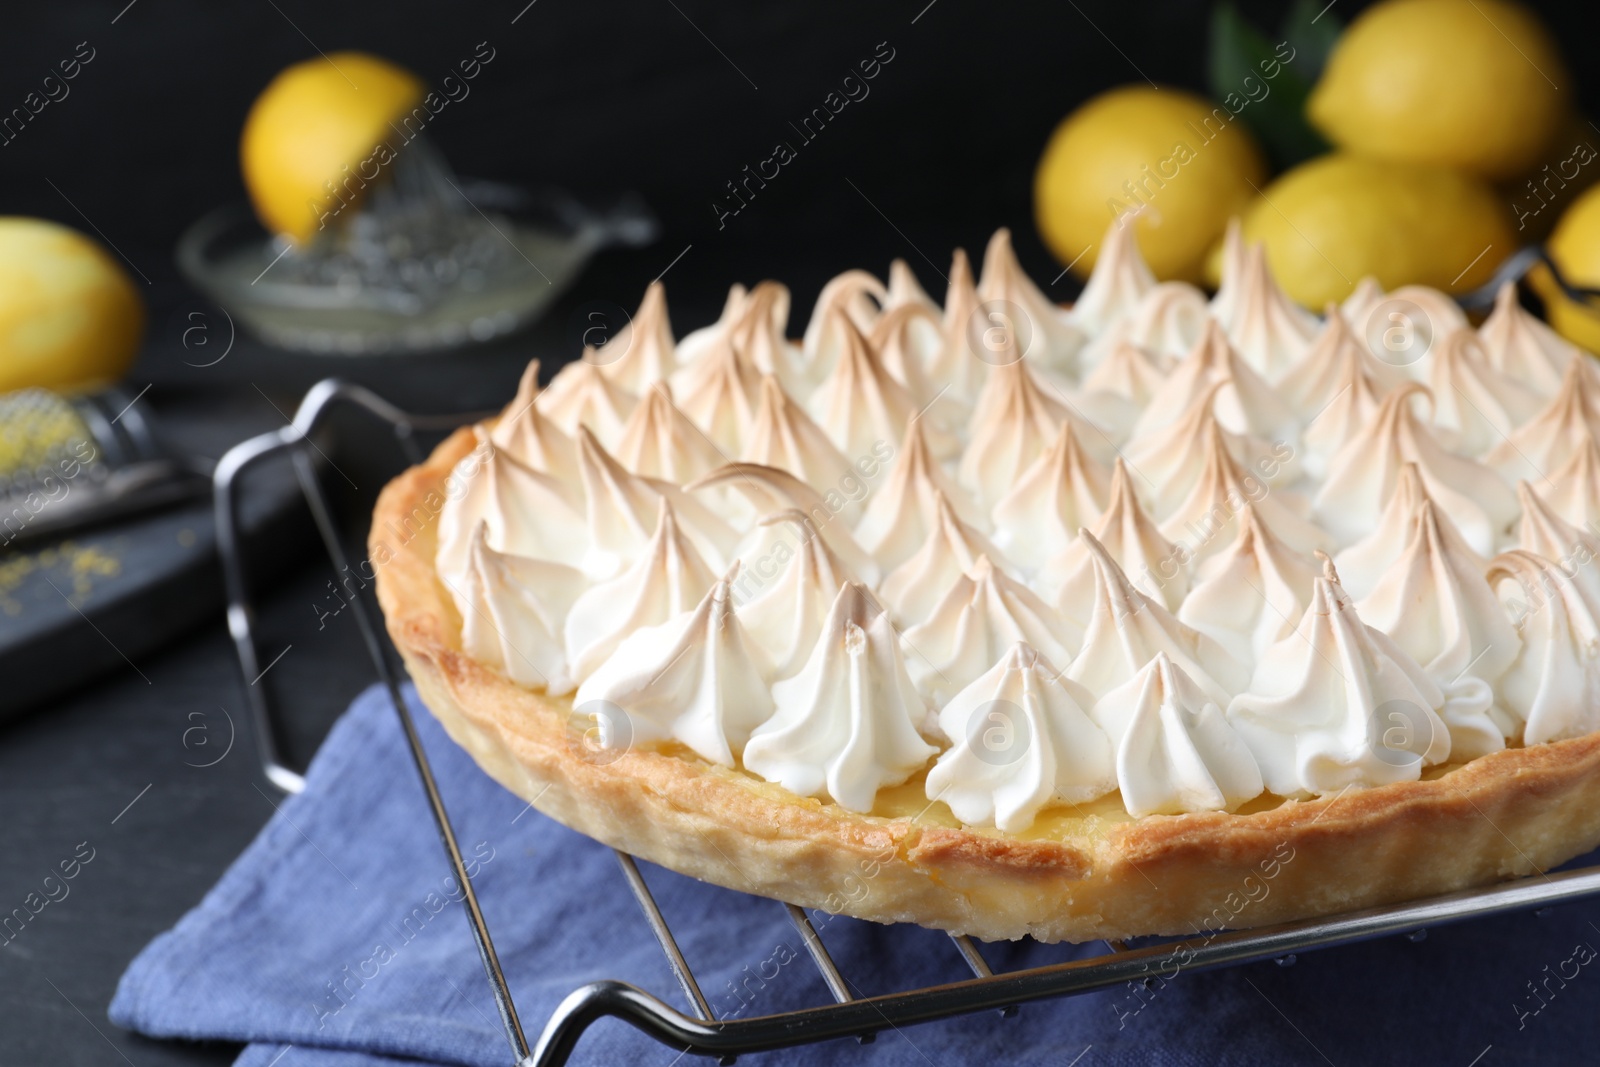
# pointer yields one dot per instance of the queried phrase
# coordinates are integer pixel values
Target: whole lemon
(1337, 218)
(1186, 166)
(1475, 84)
(320, 133)
(1575, 247)
(70, 317)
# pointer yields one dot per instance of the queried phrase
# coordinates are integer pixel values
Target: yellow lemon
(1475, 84)
(1333, 220)
(1184, 165)
(1575, 247)
(319, 133)
(70, 317)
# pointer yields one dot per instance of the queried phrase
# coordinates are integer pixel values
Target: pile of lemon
(1455, 141)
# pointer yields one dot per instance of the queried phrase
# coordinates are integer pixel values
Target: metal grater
(66, 462)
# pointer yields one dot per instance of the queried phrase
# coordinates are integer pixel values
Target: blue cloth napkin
(338, 940)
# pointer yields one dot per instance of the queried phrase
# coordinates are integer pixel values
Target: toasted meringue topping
(1270, 330)
(784, 436)
(951, 549)
(859, 405)
(1052, 340)
(1395, 324)
(532, 439)
(1022, 742)
(1335, 360)
(847, 724)
(1117, 284)
(1549, 440)
(983, 614)
(1338, 704)
(659, 441)
(669, 577)
(1246, 404)
(855, 294)
(1014, 423)
(1346, 416)
(904, 338)
(718, 392)
(622, 510)
(1363, 473)
(1208, 519)
(904, 289)
(1169, 320)
(1478, 405)
(1176, 751)
(1131, 537)
(1127, 629)
(1062, 490)
(1524, 349)
(1129, 372)
(1363, 299)
(788, 580)
(758, 336)
(1573, 490)
(1251, 595)
(1575, 548)
(1362, 564)
(580, 541)
(1434, 603)
(528, 513)
(1553, 687)
(1170, 466)
(695, 679)
(580, 395)
(642, 352)
(902, 511)
(512, 613)
(956, 363)
(697, 343)
(770, 490)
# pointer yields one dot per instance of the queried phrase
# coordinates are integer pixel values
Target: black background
(599, 98)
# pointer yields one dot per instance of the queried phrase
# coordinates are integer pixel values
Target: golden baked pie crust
(1502, 815)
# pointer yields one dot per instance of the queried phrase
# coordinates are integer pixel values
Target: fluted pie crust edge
(1500, 816)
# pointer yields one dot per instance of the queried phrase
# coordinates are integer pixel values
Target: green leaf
(1264, 84)
(1311, 28)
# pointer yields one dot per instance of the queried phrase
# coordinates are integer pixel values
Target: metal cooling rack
(700, 1031)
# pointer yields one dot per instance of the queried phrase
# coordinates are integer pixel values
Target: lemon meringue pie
(1010, 619)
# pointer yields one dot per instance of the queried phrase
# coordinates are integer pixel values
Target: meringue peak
(1176, 751)
(1553, 687)
(666, 579)
(530, 437)
(783, 435)
(718, 394)
(642, 352)
(1271, 331)
(1054, 341)
(659, 441)
(983, 613)
(1119, 281)
(1062, 490)
(1472, 400)
(695, 679)
(581, 396)
(1129, 535)
(846, 725)
(1022, 742)
(951, 549)
(859, 404)
(1278, 577)
(1337, 704)
(1523, 348)
(1127, 628)
(902, 511)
